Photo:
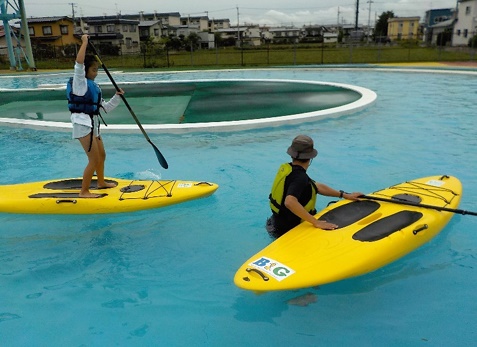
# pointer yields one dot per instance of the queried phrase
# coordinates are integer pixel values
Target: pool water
(165, 277)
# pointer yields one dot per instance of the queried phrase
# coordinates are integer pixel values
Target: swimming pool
(165, 277)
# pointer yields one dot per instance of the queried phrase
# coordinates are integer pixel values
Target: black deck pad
(71, 195)
(407, 198)
(387, 225)
(348, 214)
(73, 183)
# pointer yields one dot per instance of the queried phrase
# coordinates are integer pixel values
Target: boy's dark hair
(301, 160)
(88, 61)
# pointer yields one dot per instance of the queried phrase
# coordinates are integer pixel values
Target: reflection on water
(189, 102)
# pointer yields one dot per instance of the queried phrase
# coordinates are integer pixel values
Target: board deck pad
(350, 213)
(386, 226)
(72, 184)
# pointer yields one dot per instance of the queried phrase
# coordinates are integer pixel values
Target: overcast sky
(264, 12)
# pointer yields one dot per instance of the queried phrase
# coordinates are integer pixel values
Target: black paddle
(410, 203)
(159, 155)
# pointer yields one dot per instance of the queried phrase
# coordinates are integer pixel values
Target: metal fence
(295, 55)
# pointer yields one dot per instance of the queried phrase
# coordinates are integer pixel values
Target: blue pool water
(165, 277)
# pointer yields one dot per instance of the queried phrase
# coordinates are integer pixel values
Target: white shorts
(80, 130)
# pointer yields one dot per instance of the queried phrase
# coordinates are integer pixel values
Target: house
(330, 37)
(441, 33)
(150, 30)
(435, 22)
(313, 33)
(403, 28)
(56, 32)
(206, 40)
(215, 24)
(466, 24)
(185, 31)
(247, 35)
(17, 39)
(352, 34)
(231, 32)
(200, 23)
(168, 18)
(286, 34)
(116, 32)
(252, 36)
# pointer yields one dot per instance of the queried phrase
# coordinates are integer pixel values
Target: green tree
(173, 43)
(218, 39)
(191, 42)
(381, 29)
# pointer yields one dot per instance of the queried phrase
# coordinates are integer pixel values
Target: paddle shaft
(410, 203)
(159, 155)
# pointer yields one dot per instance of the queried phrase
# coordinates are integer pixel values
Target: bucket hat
(302, 148)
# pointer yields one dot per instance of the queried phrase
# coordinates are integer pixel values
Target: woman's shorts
(80, 130)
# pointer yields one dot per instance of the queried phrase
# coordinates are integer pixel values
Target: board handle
(421, 228)
(249, 269)
(66, 200)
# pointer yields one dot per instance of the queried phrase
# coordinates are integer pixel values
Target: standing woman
(84, 102)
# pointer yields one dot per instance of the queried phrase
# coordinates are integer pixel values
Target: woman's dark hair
(88, 61)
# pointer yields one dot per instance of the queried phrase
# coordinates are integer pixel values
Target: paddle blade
(159, 156)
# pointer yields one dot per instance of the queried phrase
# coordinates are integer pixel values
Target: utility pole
(369, 14)
(72, 8)
(338, 27)
(357, 14)
(74, 23)
(369, 18)
(238, 27)
(338, 16)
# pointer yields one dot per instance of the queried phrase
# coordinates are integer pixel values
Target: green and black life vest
(276, 196)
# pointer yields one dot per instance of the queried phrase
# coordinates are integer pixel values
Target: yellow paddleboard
(61, 196)
(372, 232)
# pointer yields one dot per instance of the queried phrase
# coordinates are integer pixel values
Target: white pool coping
(368, 97)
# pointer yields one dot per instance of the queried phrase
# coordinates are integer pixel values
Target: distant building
(438, 25)
(403, 28)
(200, 23)
(286, 34)
(330, 37)
(56, 32)
(150, 30)
(17, 39)
(207, 40)
(466, 25)
(313, 33)
(351, 34)
(216, 24)
(116, 32)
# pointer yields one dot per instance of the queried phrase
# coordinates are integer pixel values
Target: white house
(286, 34)
(466, 26)
(330, 37)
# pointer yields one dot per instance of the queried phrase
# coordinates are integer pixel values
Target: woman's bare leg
(100, 167)
(91, 167)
